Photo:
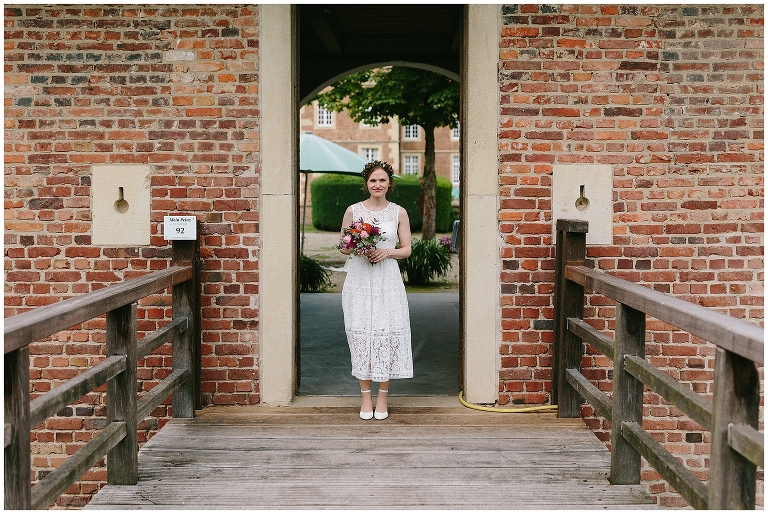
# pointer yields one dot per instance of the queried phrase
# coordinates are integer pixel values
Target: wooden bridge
(328, 458)
(422, 457)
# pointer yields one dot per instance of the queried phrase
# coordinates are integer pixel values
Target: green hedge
(332, 194)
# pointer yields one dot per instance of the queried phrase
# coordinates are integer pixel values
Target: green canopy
(318, 155)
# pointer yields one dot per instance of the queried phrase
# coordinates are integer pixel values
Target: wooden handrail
(732, 415)
(727, 332)
(28, 327)
(118, 440)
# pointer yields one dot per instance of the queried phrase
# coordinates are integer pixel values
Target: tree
(415, 97)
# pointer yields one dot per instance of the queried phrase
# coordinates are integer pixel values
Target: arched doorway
(364, 28)
(343, 39)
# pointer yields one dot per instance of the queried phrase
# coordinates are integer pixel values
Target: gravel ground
(320, 246)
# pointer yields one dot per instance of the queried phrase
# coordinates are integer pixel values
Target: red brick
(578, 84)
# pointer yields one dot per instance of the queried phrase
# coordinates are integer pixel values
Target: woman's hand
(378, 255)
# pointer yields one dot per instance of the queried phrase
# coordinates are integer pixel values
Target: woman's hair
(368, 169)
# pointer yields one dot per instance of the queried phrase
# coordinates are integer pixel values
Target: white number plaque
(179, 228)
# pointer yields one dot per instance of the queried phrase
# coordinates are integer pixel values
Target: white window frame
(408, 132)
(455, 168)
(370, 153)
(456, 132)
(412, 167)
(364, 124)
(324, 117)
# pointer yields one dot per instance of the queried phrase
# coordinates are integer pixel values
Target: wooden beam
(673, 471)
(30, 326)
(748, 442)
(589, 392)
(743, 338)
(185, 347)
(122, 458)
(736, 399)
(160, 392)
(627, 395)
(51, 402)
(17, 459)
(591, 335)
(153, 341)
(567, 351)
(693, 404)
(323, 28)
(60, 479)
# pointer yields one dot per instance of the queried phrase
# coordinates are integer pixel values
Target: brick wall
(173, 87)
(672, 98)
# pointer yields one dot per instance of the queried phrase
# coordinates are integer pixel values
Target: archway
(331, 35)
(280, 93)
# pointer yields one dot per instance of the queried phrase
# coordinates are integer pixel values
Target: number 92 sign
(179, 228)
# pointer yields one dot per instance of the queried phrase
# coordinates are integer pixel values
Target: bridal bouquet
(360, 237)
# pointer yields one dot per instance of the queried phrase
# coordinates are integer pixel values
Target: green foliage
(428, 260)
(406, 194)
(413, 95)
(332, 194)
(455, 215)
(416, 97)
(313, 277)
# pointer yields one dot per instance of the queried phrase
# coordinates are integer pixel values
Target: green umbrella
(318, 155)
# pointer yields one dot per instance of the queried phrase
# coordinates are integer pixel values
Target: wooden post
(736, 400)
(186, 352)
(569, 303)
(122, 460)
(627, 395)
(17, 466)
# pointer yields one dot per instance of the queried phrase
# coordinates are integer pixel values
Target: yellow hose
(497, 409)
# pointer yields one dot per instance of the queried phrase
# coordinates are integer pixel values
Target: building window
(370, 154)
(324, 117)
(411, 132)
(364, 124)
(456, 169)
(411, 164)
(455, 132)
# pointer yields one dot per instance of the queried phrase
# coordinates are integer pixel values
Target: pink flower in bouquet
(360, 237)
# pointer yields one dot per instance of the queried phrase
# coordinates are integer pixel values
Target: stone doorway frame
(278, 299)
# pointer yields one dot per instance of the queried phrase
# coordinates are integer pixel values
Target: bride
(373, 297)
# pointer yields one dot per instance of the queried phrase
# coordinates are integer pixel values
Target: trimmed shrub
(429, 259)
(313, 277)
(332, 194)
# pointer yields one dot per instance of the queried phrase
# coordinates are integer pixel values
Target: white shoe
(381, 415)
(366, 415)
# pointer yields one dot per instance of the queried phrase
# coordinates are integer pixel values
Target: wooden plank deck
(327, 458)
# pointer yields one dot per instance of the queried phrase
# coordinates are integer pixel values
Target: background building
(401, 146)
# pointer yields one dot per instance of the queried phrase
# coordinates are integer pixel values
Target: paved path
(325, 359)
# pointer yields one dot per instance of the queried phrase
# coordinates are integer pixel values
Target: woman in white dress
(373, 297)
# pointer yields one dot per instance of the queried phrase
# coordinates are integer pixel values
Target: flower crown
(368, 168)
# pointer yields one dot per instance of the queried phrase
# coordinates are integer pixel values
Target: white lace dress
(376, 307)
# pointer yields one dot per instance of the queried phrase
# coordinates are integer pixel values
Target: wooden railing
(731, 416)
(118, 440)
